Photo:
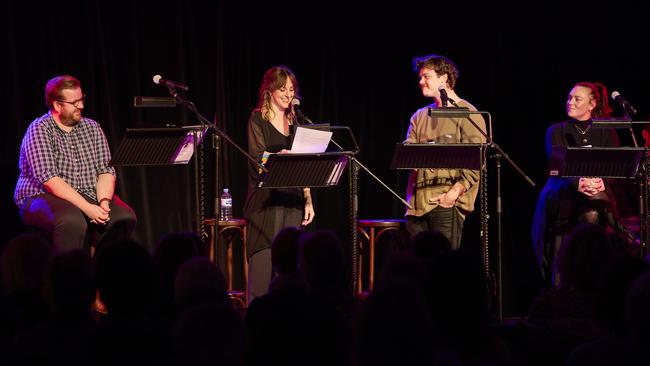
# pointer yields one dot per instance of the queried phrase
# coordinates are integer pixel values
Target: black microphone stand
(643, 188)
(207, 125)
(641, 180)
(627, 116)
(353, 172)
(464, 112)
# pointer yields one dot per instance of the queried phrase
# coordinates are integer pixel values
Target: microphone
(627, 107)
(295, 103)
(444, 98)
(157, 79)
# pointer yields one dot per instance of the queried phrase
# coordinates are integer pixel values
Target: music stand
(465, 113)
(154, 102)
(437, 156)
(450, 112)
(456, 156)
(162, 146)
(316, 126)
(353, 169)
(303, 170)
(616, 123)
(603, 162)
(619, 123)
(156, 146)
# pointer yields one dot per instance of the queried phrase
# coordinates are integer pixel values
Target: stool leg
(212, 250)
(229, 265)
(360, 258)
(245, 254)
(360, 273)
(371, 266)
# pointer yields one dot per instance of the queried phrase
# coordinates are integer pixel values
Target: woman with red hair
(565, 202)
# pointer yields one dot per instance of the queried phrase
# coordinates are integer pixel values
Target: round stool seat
(223, 223)
(380, 223)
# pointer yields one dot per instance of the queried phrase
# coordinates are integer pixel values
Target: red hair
(599, 94)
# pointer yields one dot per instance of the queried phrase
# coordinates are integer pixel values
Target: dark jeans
(67, 225)
(448, 221)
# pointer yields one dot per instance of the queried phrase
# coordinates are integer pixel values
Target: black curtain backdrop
(353, 63)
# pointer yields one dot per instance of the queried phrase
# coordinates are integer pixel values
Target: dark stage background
(353, 62)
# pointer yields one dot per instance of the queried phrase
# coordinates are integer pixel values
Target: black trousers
(260, 273)
(448, 221)
(67, 225)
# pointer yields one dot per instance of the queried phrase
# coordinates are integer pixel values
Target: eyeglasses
(77, 103)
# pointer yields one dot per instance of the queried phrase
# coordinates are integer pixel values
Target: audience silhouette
(430, 306)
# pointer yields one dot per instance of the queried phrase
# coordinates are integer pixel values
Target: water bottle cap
(225, 190)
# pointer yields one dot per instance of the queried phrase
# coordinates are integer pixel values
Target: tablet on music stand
(157, 146)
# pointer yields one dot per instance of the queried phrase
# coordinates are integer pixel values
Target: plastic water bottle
(226, 206)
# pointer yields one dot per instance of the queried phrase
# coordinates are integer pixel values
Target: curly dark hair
(440, 64)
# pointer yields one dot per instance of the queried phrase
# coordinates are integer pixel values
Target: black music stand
(437, 156)
(156, 146)
(458, 112)
(616, 123)
(603, 162)
(353, 170)
(162, 146)
(454, 156)
(619, 123)
(303, 170)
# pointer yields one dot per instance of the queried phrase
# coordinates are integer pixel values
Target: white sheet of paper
(308, 140)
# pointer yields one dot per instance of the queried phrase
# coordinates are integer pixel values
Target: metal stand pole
(499, 242)
(354, 207)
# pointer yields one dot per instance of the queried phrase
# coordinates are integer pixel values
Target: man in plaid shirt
(66, 187)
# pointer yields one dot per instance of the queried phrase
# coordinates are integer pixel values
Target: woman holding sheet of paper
(270, 210)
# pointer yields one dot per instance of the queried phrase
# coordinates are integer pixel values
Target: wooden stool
(227, 229)
(368, 229)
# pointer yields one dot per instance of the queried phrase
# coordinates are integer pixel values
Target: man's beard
(70, 119)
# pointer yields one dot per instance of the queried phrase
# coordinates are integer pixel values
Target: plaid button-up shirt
(78, 157)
